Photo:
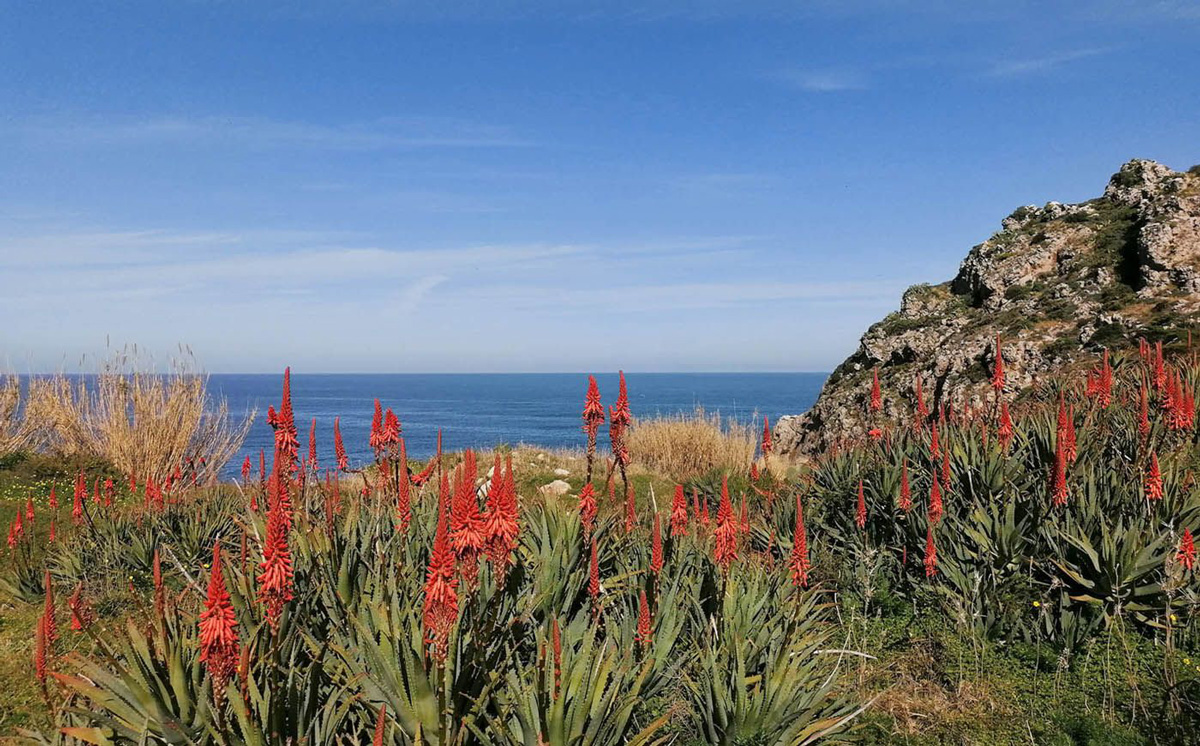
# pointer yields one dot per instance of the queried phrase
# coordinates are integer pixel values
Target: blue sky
(543, 186)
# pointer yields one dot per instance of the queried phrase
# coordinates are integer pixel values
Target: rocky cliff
(1058, 283)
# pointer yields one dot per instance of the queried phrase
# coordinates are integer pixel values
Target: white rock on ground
(557, 488)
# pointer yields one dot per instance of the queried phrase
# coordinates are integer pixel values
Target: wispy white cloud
(261, 133)
(1044, 63)
(825, 81)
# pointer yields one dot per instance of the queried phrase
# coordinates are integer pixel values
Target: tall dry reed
(144, 422)
(14, 426)
(690, 445)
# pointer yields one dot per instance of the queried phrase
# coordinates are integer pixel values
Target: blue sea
(485, 410)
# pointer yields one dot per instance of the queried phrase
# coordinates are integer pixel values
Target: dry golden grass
(14, 426)
(685, 446)
(141, 421)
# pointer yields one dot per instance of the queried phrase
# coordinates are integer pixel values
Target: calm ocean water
(484, 410)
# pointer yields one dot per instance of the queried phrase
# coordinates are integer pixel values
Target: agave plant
(762, 674)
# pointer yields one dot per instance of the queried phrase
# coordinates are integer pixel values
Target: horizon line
(468, 373)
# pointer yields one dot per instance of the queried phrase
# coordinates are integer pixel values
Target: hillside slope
(1055, 283)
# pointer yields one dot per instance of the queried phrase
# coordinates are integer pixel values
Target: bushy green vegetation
(1034, 596)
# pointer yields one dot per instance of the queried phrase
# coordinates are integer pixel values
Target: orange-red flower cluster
(645, 633)
(798, 562)
(587, 509)
(679, 514)
(1100, 383)
(725, 549)
(593, 411)
(275, 578)
(82, 614)
(618, 421)
(1187, 550)
(998, 370)
(1154, 480)
(218, 629)
(467, 536)
(501, 523)
(441, 584)
(339, 447)
(930, 553)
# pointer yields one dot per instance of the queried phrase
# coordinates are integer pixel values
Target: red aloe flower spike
(48, 613)
(82, 614)
(96, 492)
(275, 580)
(753, 472)
(934, 447)
(284, 423)
(467, 538)
(587, 509)
(1059, 484)
(380, 723)
(594, 579)
(860, 513)
(1187, 550)
(1154, 480)
(1006, 431)
(339, 447)
(390, 435)
(935, 500)
(679, 514)
(704, 519)
(798, 563)
(593, 418)
(766, 438)
(630, 510)
(53, 500)
(246, 471)
(376, 439)
(725, 549)
(77, 508)
(403, 498)
(946, 468)
(656, 548)
(618, 421)
(312, 447)
(218, 630)
(29, 511)
(441, 582)
(930, 553)
(593, 409)
(645, 634)
(905, 491)
(500, 521)
(876, 403)
(998, 371)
